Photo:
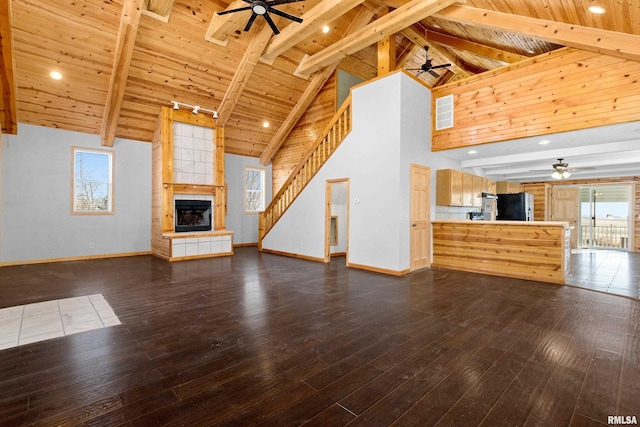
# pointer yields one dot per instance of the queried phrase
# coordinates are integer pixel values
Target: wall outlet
(90, 245)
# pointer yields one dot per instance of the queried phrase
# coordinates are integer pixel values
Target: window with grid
(253, 190)
(92, 181)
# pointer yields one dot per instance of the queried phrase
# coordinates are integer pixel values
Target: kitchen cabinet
(449, 187)
(456, 188)
(488, 186)
(506, 187)
(477, 188)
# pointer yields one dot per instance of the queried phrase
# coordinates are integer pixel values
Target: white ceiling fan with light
(562, 170)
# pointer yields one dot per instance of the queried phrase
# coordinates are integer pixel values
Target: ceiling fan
(263, 7)
(428, 67)
(562, 170)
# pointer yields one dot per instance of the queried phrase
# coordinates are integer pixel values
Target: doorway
(420, 234)
(336, 218)
(606, 214)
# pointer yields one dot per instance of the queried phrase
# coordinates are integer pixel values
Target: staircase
(331, 137)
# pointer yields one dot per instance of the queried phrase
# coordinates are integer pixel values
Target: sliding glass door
(605, 216)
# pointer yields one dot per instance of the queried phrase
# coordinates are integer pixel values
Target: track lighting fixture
(195, 109)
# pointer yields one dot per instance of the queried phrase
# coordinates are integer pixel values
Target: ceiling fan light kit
(263, 8)
(561, 170)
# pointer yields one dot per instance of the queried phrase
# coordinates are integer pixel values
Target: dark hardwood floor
(263, 339)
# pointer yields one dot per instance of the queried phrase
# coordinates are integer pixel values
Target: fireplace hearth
(192, 215)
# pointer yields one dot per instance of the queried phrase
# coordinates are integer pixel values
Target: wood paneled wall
(540, 193)
(564, 90)
(526, 250)
(304, 134)
(636, 208)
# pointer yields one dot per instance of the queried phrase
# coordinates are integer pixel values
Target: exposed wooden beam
(158, 9)
(360, 21)
(325, 11)
(475, 48)
(129, 20)
(221, 26)
(317, 82)
(243, 73)
(378, 7)
(8, 84)
(386, 55)
(444, 78)
(416, 34)
(611, 43)
(391, 23)
(404, 57)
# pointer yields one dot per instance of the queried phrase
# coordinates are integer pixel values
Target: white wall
(36, 222)
(244, 226)
(391, 130)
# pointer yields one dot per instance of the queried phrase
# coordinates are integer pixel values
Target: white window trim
(244, 184)
(111, 155)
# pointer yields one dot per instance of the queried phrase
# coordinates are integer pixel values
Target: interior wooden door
(565, 207)
(420, 221)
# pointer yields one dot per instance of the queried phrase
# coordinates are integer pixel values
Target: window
(444, 112)
(253, 190)
(92, 181)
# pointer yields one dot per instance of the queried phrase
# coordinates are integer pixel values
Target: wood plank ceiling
(119, 66)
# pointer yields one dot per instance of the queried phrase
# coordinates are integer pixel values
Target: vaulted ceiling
(121, 60)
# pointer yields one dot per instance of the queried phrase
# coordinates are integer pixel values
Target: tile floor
(611, 271)
(41, 321)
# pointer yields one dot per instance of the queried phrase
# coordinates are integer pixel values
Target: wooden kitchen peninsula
(533, 250)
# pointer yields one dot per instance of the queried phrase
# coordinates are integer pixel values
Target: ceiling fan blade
(284, 14)
(250, 22)
(434, 74)
(441, 66)
(271, 23)
(420, 72)
(414, 69)
(224, 12)
(277, 2)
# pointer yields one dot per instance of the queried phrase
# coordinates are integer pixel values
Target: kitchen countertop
(502, 222)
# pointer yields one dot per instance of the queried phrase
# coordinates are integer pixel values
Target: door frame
(630, 214)
(327, 218)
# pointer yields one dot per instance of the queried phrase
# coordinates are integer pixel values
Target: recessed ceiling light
(55, 75)
(544, 142)
(325, 29)
(596, 9)
(265, 124)
(471, 152)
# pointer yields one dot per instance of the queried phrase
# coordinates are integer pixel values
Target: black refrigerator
(515, 207)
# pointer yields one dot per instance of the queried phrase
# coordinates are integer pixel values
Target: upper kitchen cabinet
(449, 187)
(456, 188)
(506, 187)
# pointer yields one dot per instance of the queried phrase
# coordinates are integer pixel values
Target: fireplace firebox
(192, 215)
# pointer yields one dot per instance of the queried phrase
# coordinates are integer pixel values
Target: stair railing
(333, 134)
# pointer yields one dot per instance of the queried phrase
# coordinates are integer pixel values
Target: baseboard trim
(378, 269)
(292, 255)
(338, 254)
(245, 245)
(75, 258)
